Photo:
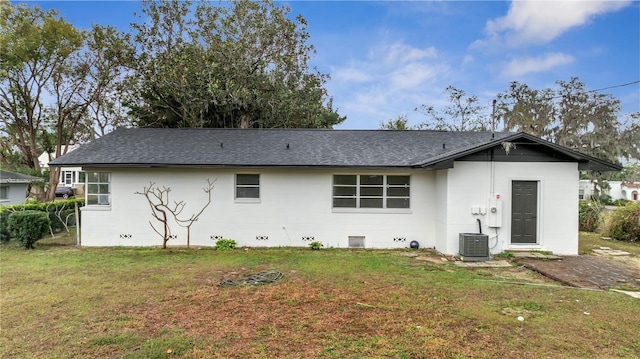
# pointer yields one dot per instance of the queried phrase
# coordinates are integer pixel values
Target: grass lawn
(59, 301)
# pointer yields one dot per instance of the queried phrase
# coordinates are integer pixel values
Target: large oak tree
(236, 64)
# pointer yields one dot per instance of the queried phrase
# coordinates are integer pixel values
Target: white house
(344, 188)
(617, 190)
(69, 176)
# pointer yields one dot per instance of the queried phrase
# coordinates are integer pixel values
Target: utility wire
(589, 91)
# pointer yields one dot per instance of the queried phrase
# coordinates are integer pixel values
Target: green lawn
(59, 301)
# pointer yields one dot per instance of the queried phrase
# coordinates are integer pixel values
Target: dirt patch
(593, 272)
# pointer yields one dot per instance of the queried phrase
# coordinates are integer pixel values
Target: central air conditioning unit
(474, 247)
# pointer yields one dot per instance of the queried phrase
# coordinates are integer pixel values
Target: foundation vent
(356, 241)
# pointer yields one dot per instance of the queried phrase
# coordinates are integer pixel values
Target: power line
(589, 91)
(616, 86)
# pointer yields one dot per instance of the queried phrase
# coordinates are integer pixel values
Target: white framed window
(372, 191)
(68, 177)
(247, 186)
(98, 188)
(4, 192)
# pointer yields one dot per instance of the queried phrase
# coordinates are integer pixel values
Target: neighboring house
(13, 187)
(69, 176)
(617, 190)
(344, 188)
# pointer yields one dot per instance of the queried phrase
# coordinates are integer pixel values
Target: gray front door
(524, 212)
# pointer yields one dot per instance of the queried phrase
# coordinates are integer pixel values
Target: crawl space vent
(356, 241)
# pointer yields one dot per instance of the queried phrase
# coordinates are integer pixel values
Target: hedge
(57, 212)
(28, 227)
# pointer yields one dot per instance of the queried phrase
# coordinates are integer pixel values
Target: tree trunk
(54, 179)
(244, 121)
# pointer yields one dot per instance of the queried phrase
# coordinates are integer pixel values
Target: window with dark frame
(371, 191)
(247, 186)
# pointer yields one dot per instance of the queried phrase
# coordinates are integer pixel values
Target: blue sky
(386, 58)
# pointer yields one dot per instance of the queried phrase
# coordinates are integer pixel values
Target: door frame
(539, 209)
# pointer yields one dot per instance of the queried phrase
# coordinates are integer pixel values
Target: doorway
(524, 212)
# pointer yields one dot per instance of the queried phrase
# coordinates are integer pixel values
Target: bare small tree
(158, 199)
(194, 217)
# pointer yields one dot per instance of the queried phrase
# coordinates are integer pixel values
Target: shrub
(315, 245)
(57, 211)
(4, 227)
(28, 227)
(624, 223)
(621, 202)
(604, 199)
(57, 217)
(589, 216)
(225, 244)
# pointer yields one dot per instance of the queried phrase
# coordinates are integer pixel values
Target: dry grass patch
(63, 302)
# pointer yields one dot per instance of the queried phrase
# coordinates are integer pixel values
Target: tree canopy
(50, 75)
(236, 64)
(464, 113)
(571, 116)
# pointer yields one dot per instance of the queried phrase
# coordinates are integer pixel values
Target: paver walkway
(586, 271)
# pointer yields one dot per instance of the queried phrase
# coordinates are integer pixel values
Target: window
(4, 192)
(371, 191)
(68, 177)
(247, 186)
(98, 188)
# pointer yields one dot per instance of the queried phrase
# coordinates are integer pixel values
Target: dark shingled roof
(14, 177)
(156, 147)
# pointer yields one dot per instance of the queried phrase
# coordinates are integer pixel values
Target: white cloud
(349, 75)
(389, 79)
(521, 66)
(400, 53)
(413, 75)
(468, 59)
(535, 21)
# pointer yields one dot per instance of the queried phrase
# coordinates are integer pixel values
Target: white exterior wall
(469, 184)
(441, 212)
(294, 203)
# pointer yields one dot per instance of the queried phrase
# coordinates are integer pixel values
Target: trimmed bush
(589, 216)
(28, 227)
(225, 244)
(4, 227)
(315, 245)
(624, 223)
(57, 211)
